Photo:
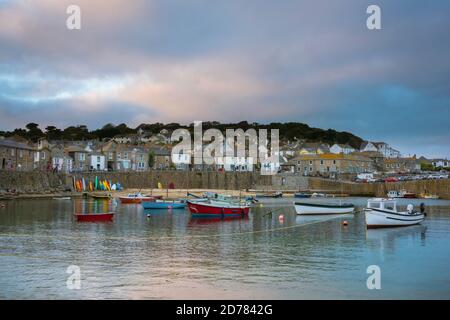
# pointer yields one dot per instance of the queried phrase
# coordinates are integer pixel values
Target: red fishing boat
(137, 198)
(217, 209)
(94, 217)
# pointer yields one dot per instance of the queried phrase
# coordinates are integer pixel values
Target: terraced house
(15, 155)
(401, 165)
(330, 164)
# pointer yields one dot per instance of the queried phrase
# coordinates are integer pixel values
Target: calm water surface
(170, 255)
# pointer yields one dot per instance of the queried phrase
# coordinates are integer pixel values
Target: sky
(310, 61)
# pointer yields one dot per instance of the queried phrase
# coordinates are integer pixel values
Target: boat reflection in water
(307, 219)
(387, 240)
(96, 210)
(203, 221)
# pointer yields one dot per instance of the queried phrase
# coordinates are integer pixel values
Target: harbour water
(274, 254)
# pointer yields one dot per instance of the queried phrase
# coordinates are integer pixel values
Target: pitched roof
(15, 144)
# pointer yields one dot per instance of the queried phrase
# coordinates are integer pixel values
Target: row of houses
(382, 148)
(332, 165)
(18, 154)
(301, 158)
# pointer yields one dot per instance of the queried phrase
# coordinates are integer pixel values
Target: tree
(151, 159)
(34, 133)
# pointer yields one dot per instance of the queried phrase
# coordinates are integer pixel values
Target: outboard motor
(422, 208)
(410, 208)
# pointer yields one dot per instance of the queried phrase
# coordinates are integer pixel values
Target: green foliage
(288, 131)
(151, 159)
(425, 166)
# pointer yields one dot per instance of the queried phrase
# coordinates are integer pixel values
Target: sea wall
(380, 189)
(43, 182)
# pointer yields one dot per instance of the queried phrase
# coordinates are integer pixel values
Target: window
(125, 155)
(110, 155)
(42, 155)
(98, 159)
(321, 161)
(310, 162)
(310, 168)
(119, 155)
(334, 161)
(20, 153)
(12, 152)
(82, 157)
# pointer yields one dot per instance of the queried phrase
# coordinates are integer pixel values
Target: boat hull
(276, 195)
(163, 205)
(302, 195)
(95, 217)
(383, 219)
(129, 200)
(313, 209)
(223, 210)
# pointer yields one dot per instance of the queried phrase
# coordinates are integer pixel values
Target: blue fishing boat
(163, 205)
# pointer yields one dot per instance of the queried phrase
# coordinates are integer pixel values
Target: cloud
(174, 60)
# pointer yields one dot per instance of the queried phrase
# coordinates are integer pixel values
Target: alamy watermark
(73, 21)
(229, 152)
(74, 280)
(374, 280)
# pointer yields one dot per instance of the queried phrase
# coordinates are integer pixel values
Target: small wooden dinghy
(382, 213)
(136, 198)
(94, 217)
(323, 208)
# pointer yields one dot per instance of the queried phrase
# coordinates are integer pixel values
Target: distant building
(79, 156)
(386, 150)
(331, 164)
(42, 156)
(16, 155)
(313, 148)
(97, 162)
(161, 157)
(401, 165)
(440, 163)
(61, 162)
(341, 148)
(367, 146)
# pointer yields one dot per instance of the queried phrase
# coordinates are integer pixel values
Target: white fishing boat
(382, 213)
(323, 208)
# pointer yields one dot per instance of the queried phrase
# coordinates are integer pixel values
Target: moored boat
(270, 195)
(135, 198)
(428, 196)
(221, 209)
(392, 194)
(323, 208)
(163, 204)
(94, 217)
(100, 196)
(62, 198)
(382, 213)
(302, 195)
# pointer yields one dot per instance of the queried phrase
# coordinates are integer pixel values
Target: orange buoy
(345, 223)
